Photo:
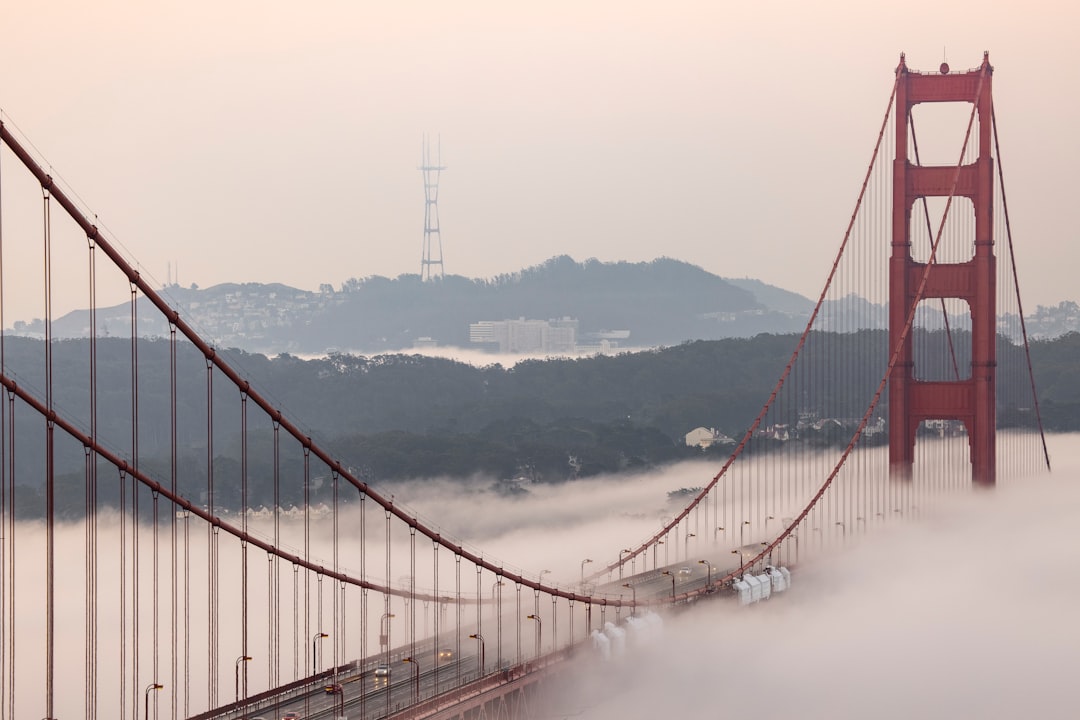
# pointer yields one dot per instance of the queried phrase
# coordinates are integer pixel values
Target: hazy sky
(279, 142)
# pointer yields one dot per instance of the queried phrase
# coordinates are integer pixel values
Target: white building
(527, 336)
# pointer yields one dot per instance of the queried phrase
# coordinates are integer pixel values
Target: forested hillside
(393, 417)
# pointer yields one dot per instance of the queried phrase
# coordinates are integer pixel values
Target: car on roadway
(382, 671)
(290, 716)
(686, 571)
(333, 688)
(446, 655)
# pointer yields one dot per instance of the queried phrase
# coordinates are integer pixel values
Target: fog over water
(969, 611)
(965, 610)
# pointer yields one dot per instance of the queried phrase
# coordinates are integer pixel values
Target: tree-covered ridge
(395, 417)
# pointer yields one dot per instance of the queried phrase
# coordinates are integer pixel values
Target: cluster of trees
(393, 417)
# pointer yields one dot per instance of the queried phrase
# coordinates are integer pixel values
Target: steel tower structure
(432, 236)
(971, 400)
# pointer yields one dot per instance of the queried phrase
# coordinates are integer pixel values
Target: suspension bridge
(911, 381)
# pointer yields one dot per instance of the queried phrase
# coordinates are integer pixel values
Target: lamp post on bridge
(384, 631)
(843, 529)
(686, 545)
(480, 638)
(416, 678)
(584, 562)
(242, 658)
(539, 630)
(708, 581)
(633, 598)
(496, 612)
(655, 544)
(146, 698)
(740, 561)
(742, 527)
(669, 574)
(314, 642)
(621, 553)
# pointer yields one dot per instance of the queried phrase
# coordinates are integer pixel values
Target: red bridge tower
(970, 400)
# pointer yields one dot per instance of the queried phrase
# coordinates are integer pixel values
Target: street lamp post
(669, 574)
(708, 581)
(739, 553)
(146, 698)
(686, 545)
(242, 658)
(655, 544)
(478, 636)
(621, 553)
(843, 530)
(416, 678)
(384, 631)
(539, 629)
(633, 598)
(314, 642)
(584, 562)
(741, 529)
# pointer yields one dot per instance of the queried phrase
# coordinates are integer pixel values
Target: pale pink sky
(278, 142)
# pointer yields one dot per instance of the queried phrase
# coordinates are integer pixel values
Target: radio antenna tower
(431, 210)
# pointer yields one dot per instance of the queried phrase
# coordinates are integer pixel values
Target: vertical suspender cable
(91, 493)
(211, 546)
(50, 479)
(5, 556)
(187, 614)
(412, 592)
(338, 608)
(10, 595)
(338, 637)
(135, 503)
(274, 619)
(307, 552)
(123, 597)
(173, 607)
(243, 540)
(364, 590)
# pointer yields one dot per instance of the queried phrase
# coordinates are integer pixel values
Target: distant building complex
(527, 336)
(551, 337)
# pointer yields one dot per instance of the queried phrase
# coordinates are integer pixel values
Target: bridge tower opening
(969, 397)
(431, 263)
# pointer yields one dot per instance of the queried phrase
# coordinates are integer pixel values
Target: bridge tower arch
(971, 400)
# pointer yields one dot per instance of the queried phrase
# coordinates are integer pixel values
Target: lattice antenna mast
(432, 237)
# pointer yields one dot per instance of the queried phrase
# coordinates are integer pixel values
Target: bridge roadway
(365, 696)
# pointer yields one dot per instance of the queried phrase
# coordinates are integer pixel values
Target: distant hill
(650, 304)
(774, 298)
(659, 303)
